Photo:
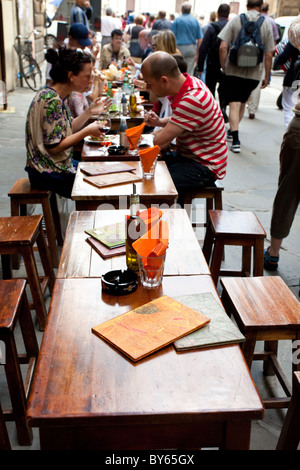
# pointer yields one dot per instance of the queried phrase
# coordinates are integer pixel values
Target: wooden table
(96, 153)
(132, 121)
(87, 395)
(157, 191)
(78, 259)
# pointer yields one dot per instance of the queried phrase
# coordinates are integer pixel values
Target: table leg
(237, 435)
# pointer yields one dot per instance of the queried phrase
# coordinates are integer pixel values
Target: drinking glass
(104, 123)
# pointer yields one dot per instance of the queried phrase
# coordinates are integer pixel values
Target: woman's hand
(100, 105)
(94, 130)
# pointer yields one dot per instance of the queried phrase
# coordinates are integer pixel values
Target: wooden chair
(290, 433)
(18, 236)
(212, 196)
(234, 228)
(264, 309)
(14, 307)
(22, 194)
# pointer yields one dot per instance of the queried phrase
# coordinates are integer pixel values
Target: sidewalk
(250, 184)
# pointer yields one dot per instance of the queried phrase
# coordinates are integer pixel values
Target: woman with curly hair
(51, 132)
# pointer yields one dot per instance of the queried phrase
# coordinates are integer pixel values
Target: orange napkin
(150, 216)
(148, 156)
(133, 134)
(152, 245)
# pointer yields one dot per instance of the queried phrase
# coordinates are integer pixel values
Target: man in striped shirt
(196, 123)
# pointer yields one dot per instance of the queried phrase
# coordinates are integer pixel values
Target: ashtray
(119, 282)
(116, 150)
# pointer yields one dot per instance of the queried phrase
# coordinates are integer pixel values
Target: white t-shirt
(108, 24)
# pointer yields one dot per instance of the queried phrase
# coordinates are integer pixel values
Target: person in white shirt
(108, 24)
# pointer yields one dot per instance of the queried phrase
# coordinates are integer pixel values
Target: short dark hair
(224, 10)
(254, 3)
(182, 65)
(116, 32)
(64, 61)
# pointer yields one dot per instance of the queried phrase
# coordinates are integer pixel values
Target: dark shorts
(59, 183)
(188, 174)
(238, 89)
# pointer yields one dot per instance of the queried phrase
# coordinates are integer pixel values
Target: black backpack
(213, 58)
(248, 50)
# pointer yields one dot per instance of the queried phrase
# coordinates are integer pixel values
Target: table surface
(132, 121)
(97, 153)
(84, 383)
(158, 190)
(78, 259)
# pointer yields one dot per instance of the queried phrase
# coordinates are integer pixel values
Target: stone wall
(38, 21)
(288, 8)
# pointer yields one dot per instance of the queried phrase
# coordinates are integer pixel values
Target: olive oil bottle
(135, 228)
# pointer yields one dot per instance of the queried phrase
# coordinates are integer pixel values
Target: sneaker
(235, 147)
(229, 136)
(270, 262)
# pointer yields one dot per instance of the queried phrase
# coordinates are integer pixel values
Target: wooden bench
(290, 433)
(22, 194)
(264, 309)
(234, 228)
(14, 307)
(18, 235)
(212, 196)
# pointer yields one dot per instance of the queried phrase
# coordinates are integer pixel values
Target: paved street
(250, 184)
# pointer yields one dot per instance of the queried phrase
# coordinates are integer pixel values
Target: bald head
(160, 63)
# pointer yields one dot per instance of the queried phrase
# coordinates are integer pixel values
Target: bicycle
(29, 68)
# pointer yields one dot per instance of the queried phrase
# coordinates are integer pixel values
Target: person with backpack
(209, 51)
(81, 12)
(246, 49)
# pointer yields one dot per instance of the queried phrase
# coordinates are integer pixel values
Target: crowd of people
(181, 65)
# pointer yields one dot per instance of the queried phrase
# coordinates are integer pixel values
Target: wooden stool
(290, 433)
(20, 195)
(18, 236)
(264, 309)
(4, 438)
(212, 195)
(14, 307)
(234, 228)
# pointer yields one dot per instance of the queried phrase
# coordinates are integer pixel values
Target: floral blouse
(48, 122)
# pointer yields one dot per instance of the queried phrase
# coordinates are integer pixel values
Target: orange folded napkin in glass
(154, 242)
(152, 246)
(150, 216)
(133, 134)
(148, 156)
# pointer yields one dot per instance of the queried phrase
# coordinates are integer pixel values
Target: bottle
(132, 100)
(124, 63)
(135, 228)
(109, 92)
(126, 85)
(124, 105)
(122, 132)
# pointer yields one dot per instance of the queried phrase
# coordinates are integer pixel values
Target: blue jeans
(59, 183)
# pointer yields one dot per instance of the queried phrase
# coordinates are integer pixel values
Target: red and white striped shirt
(195, 110)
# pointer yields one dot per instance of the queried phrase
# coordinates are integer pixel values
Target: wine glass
(104, 124)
